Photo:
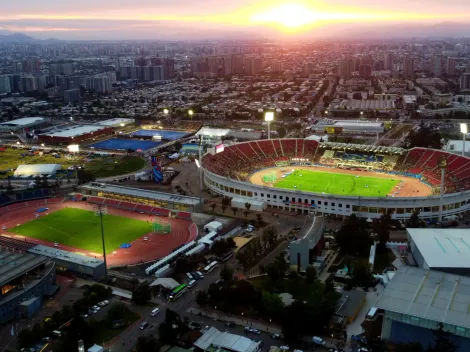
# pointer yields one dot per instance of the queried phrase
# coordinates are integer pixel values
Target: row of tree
(254, 250)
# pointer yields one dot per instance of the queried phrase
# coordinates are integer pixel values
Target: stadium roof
(137, 192)
(67, 256)
(312, 229)
(428, 294)
(25, 121)
(115, 122)
(74, 131)
(213, 132)
(37, 169)
(227, 341)
(13, 265)
(362, 147)
(443, 248)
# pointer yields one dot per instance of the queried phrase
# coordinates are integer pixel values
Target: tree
(141, 294)
(246, 213)
(425, 137)
(281, 132)
(381, 228)
(212, 206)
(361, 274)
(353, 237)
(311, 274)
(414, 221)
(226, 274)
(259, 220)
(181, 265)
(177, 146)
(147, 344)
(269, 236)
(442, 342)
(277, 269)
(202, 298)
(171, 328)
(248, 206)
(84, 176)
(225, 203)
(460, 100)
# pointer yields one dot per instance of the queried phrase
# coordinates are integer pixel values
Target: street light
(464, 130)
(191, 113)
(165, 111)
(268, 117)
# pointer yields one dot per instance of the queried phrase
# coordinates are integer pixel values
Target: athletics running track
(141, 251)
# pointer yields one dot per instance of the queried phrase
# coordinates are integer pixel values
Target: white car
(96, 308)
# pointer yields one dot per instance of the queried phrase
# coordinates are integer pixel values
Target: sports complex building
(261, 171)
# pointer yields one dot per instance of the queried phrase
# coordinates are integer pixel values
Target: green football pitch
(81, 229)
(339, 184)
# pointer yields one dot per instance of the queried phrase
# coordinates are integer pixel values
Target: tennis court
(124, 144)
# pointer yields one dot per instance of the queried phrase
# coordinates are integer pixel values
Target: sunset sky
(181, 19)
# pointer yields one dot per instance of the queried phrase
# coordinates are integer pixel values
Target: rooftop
(443, 248)
(71, 257)
(428, 294)
(13, 265)
(227, 341)
(115, 122)
(74, 131)
(137, 192)
(25, 121)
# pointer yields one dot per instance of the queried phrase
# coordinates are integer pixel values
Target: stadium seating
(4, 199)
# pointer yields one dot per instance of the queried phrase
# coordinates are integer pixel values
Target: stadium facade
(227, 174)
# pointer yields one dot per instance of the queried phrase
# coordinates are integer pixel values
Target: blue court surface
(124, 144)
(170, 135)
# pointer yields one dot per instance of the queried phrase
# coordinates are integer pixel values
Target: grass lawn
(334, 183)
(99, 166)
(103, 332)
(81, 229)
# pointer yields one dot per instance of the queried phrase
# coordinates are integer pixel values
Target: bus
(210, 267)
(177, 292)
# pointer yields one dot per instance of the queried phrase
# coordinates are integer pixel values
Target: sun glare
(288, 15)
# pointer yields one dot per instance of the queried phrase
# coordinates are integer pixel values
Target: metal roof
(429, 295)
(74, 131)
(25, 121)
(227, 341)
(137, 192)
(35, 169)
(67, 256)
(443, 248)
(13, 265)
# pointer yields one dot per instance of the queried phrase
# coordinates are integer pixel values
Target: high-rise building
(408, 67)
(61, 68)
(467, 68)
(237, 64)
(5, 86)
(71, 96)
(167, 64)
(69, 82)
(277, 67)
(253, 65)
(465, 81)
(99, 83)
(345, 68)
(31, 65)
(388, 61)
(117, 64)
(365, 71)
(450, 66)
(436, 66)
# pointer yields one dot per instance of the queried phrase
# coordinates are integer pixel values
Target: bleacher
(4, 199)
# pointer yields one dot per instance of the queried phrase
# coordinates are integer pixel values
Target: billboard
(219, 148)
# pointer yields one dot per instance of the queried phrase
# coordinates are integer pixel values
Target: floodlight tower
(101, 210)
(268, 117)
(442, 167)
(464, 131)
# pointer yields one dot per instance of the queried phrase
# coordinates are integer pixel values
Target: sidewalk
(218, 315)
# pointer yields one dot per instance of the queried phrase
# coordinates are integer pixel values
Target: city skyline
(182, 19)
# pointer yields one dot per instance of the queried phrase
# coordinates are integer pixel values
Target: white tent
(38, 169)
(213, 226)
(213, 132)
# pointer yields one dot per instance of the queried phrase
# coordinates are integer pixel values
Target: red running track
(141, 251)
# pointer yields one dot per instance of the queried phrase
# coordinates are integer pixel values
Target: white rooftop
(443, 248)
(25, 121)
(37, 169)
(213, 132)
(74, 131)
(428, 294)
(225, 340)
(166, 282)
(456, 145)
(115, 122)
(358, 124)
(71, 257)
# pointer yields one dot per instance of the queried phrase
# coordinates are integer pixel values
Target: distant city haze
(210, 19)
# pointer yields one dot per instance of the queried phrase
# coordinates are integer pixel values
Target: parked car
(229, 324)
(276, 336)
(143, 325)
(252, 330)
(96, 308)
(318, 341)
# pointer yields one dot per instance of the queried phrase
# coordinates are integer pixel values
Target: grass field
(99, 166)
(81, 229)
(334, 183)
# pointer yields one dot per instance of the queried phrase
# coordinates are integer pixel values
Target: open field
(327, 180)
(81, 229)
(100, 166)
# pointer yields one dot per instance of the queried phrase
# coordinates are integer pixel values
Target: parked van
(143, 325)
(155, 312)
(201, 276)
(191, 283)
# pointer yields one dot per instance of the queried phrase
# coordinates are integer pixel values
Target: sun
(290, 16)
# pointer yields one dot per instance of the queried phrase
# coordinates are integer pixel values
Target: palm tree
(234, 210)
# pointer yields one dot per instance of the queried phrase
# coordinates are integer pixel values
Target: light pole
(464, 130)
(199, 165)
(268, 117)
(442, 165)
(191, 113)
(166, 112)
(102, 210)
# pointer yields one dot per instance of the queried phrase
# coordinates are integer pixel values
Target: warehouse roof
(115, 122)
(74, 131)
(13, 265)
(227, 341)
(443, 248)
(428, 294)
(37, 169)
(25, 121)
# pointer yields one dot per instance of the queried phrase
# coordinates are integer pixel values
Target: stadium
(301, 175)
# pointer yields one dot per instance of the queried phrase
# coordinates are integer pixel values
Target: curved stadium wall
(295, 201)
